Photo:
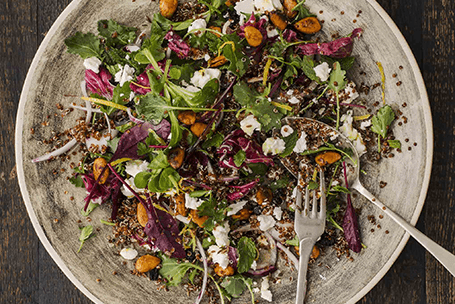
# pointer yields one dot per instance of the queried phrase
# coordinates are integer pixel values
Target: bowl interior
(55, 78)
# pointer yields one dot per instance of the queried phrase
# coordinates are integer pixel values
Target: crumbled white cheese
(263, 6)
(218, 256)
(249, 124)
(206, 57)
(125, 74)
(333, 136)
(266, 294)
(266, 222)
(286, 130)
(192, 202)
(273, 146)
(236, 207)
(290, 92)
(278, 213)
(132, 48)
(365, 124)
(126, 191)
(272, 32)
(132, 95)
(92, 63)
(183, 219)
(197, 24)
(293, 100)
(256, 290)
(254, 265)
(201, 77)
(322, 71)
(128, 253)
(133, 167)
(335, 183)
(321, 110)
(350, 91)
(301, 144)
(245, 6)
(221, 234)
(352, 134)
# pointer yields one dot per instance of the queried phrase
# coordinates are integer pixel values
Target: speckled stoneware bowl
(55, 74)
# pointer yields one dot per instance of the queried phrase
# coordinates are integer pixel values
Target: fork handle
(305, 249)
(446, 258)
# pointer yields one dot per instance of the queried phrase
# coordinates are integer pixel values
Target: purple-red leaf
(99, 83)
(127, 146)
(350, 222)
(234, 143)
(176, 44)
(260, 25)
(339, 48)
(242, 190)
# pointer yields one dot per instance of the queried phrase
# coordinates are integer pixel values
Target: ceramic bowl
(55, 76)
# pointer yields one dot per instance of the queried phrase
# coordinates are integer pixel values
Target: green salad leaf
(247, 254)
(84, 45)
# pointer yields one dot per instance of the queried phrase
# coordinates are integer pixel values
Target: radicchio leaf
(161, 228)
(290, 35)
(127, 146)
(234, 143)
(242, 190)
(339, 48)
(98, 193)
(144, 83)
(350, 222)
(177, 44)
(99, 83)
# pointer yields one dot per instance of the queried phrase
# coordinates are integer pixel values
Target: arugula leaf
(116, 34)
(312, 185)
(215, 141)
(216, 211)
(77, 181)
(239, 158)
(238, 63)
(302, 11)
(84, 45)
(290, 142)
(340, 189)
(234, 286)
(294, 242)
(86, 233)
(337, 83)
(258, 169)
(159, 162)
(173, 271)
(121, 95)
(151, 51)
(281, 183)
(396, 144)
(382, 120)
(307, 66)
(152, 107)
(346, 62)
(247, 253)
(91, 206)
(258, 105)
(199, 193)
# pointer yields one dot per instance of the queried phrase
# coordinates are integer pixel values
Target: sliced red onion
(108, 124)
(57, 152)
(290, 255)
(204, 280)
(85, 109)
(132, 118)
(88, 105)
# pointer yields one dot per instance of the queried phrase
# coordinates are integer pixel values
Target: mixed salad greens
(185, 120)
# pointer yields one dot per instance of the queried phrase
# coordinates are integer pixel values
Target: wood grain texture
(28, 274)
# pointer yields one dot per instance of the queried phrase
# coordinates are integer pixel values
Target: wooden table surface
(29, 275)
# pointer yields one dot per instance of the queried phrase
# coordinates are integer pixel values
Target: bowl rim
(59, 261)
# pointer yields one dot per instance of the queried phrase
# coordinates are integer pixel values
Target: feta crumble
(266, 294)
(278, 213)
(218, 256)
(249, 124)
(197, 24)
(301, 144)
(125, 74)
(236, 207)
(221, 234)
(192, 202)
(286, 130)
(293, 100)
(133, 167)
(322, 71)
(352, 134)
(365, 124)
(92, 63)
(266, 222)
(201, 77)
(273, 146)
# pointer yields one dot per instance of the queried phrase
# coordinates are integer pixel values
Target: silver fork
(309, 226)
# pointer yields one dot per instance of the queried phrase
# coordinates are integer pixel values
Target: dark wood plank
(439, 73)
(28, 274)
(18, 241)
